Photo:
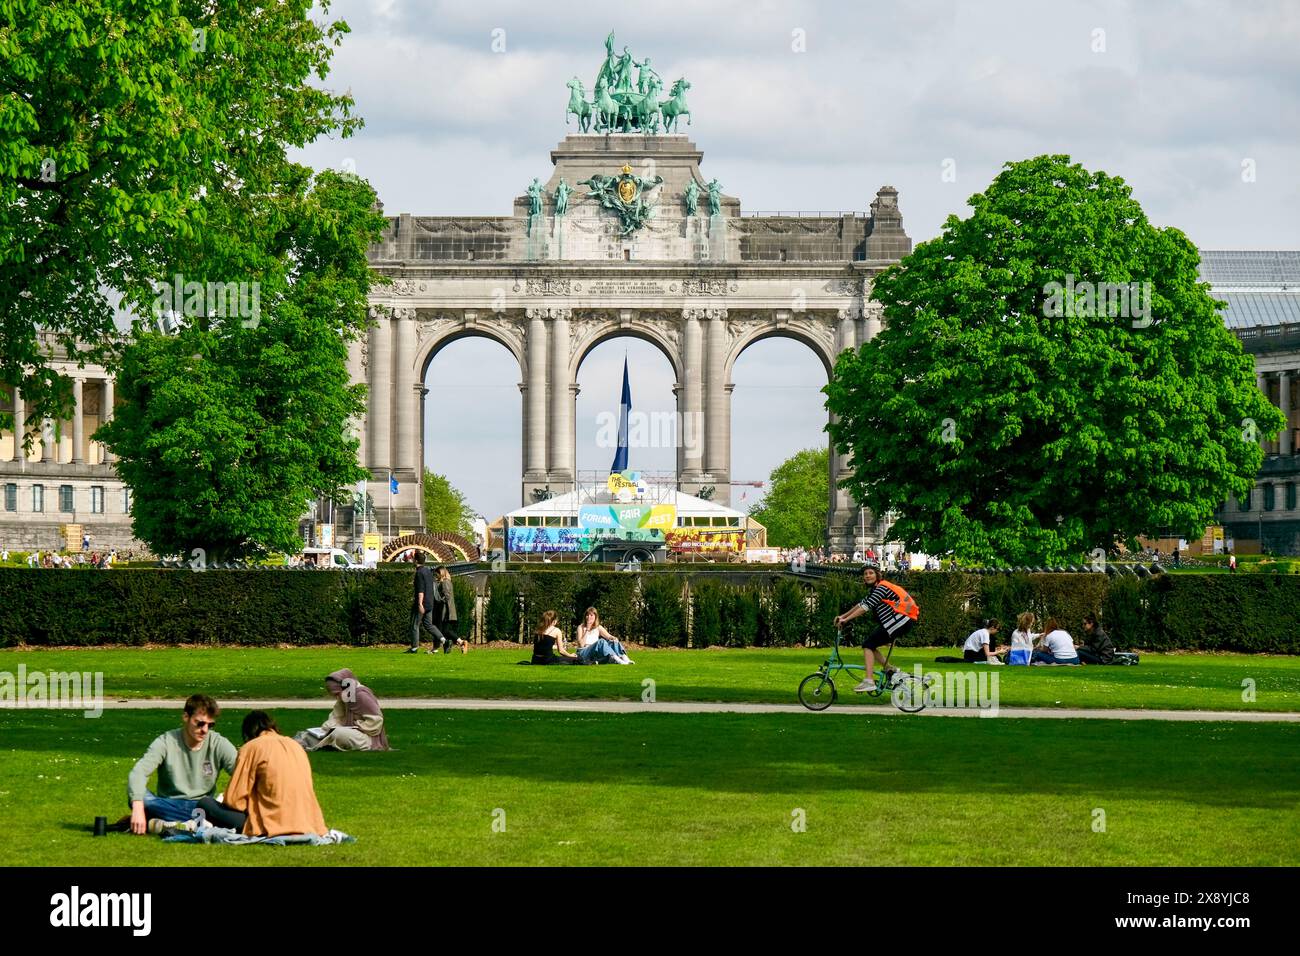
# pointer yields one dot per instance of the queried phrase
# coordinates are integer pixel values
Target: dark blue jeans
(168, 809)
(1046, 657)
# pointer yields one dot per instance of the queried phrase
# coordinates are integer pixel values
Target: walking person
(447, 606)
(422, 606)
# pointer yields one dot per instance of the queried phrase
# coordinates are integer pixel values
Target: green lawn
(642, 789)
(1161, 681)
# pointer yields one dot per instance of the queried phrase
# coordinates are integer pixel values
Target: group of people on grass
(1051, 645)
(270, 791)
(595, 645)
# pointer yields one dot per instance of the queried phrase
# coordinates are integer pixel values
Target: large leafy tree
(1005, 414)
(128, 128)
(794, 510)
(229, 429)
(445, 508)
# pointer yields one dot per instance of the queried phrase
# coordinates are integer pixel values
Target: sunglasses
(205, 723)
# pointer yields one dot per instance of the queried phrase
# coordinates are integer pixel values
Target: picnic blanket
(235, 838)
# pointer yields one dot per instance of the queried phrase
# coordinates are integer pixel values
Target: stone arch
(819, 337)
(503, 331)
(650, 330)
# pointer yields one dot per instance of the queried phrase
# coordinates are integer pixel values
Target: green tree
(128, 130)
(230, 429)
(445, 508)
(1004, 417)
(795, 510)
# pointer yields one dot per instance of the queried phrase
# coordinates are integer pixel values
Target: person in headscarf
(355, 723)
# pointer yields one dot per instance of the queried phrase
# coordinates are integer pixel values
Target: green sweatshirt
(182, 772)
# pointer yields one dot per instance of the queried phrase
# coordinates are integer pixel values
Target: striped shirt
(878, 601)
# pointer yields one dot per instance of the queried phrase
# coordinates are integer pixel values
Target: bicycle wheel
(909, 695)
(817, 691)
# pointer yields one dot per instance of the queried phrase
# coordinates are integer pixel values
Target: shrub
(662, 621)
(501, 616)
(785, 614)
(741, 616)
(708, 599)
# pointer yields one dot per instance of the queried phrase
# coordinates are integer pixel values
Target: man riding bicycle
(896, 613)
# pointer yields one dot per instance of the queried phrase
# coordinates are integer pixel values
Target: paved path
(669, 707)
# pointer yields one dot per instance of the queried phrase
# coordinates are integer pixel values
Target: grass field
(1161, 681)
(723, 789)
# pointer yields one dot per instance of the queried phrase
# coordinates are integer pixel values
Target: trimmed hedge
(1250, 613)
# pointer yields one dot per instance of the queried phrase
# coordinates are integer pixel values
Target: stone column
(1262, 383)
(875, 315)
(106, 412)
(78, 425)
(574, 389)
(357, 376)
(716, 404)
(843, 509)
(1284, 404)
(20, 427)
(692, 399)
(560, 427)
(381, 386)
(405, 418)
(535, 399)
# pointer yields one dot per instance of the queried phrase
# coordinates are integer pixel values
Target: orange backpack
(902, 602)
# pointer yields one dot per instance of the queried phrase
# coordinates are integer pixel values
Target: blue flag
(392, 484)
(625, 406)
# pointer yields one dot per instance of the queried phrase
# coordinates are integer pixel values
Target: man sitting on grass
(188, 761)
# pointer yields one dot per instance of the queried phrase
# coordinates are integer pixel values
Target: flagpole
(390, 506)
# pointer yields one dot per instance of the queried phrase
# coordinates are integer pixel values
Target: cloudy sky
(813, 106)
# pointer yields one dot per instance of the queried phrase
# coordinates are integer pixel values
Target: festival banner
(699, 540)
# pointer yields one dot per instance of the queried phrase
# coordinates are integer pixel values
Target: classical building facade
(695, 277)
(64, 477)
(1262, 291)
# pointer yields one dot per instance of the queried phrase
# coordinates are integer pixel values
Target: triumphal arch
(626, 236)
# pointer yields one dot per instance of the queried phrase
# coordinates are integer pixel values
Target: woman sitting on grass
(1022, 639)
(272, 786)
(548, 643)
(979, 647)
(1057, 647)
(548, 647)
(591, 631)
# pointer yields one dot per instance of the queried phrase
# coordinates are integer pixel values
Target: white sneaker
(996, 661)
(865, 687)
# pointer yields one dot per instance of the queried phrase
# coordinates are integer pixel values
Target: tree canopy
(445, 508)
(230, 429)
(795, 509)
(1052, 377)
(129, 130)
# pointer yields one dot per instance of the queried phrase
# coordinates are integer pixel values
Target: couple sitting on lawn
(595, 644)
(1055, 645)
(270, 792)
